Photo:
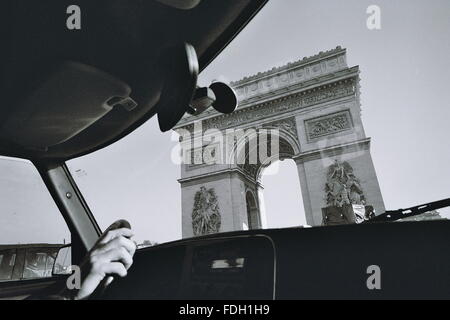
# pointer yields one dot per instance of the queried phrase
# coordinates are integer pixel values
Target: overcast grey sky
(405, 108)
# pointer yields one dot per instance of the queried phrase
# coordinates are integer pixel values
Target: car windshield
(338, 121)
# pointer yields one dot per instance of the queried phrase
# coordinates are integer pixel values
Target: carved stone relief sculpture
(206, 217)
(330, 124)
(342, 187)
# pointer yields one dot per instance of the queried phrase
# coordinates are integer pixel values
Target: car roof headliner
(116, 37)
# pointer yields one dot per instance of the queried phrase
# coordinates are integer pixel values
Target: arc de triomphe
(315, 106)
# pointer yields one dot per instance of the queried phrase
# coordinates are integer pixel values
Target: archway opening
(282, 201)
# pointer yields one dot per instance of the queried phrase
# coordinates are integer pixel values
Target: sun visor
(74, 98)
(68, 100)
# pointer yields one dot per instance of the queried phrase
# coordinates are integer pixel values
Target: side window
(39, 263)
(7, 262)
(31, 227)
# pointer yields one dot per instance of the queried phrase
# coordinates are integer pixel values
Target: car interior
(129, 63)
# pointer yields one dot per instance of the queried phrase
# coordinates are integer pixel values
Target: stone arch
(288, 149)
(288, 137)
(315, 106)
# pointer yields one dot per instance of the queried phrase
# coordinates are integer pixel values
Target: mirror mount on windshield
(219, 95)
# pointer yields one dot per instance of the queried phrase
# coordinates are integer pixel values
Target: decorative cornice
(276, 96)
(363, 144)
(215, 175)
(291, 74)
(278, 106)
(301, 62)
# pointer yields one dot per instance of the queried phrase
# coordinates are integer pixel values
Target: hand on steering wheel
(111, 256)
